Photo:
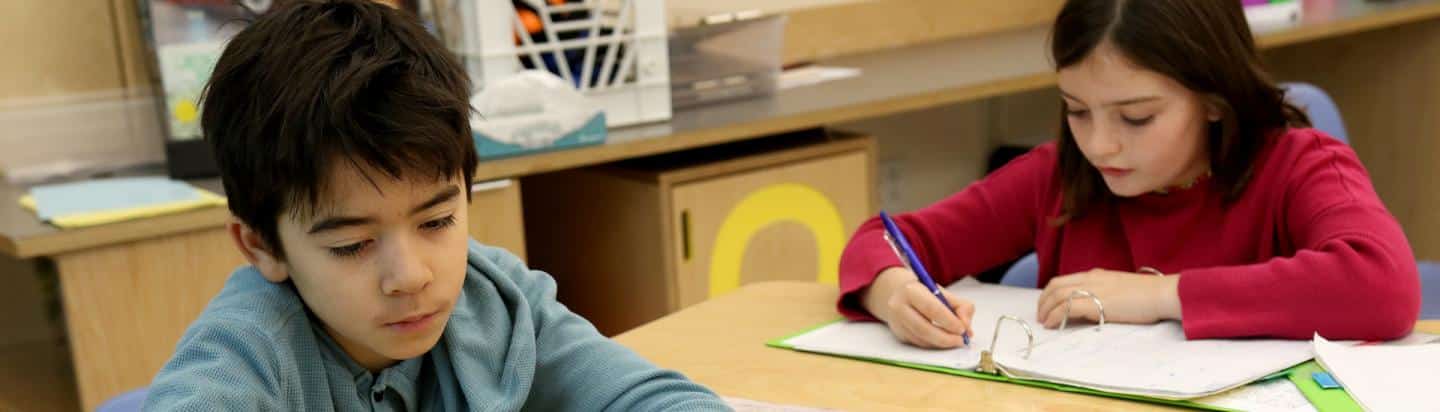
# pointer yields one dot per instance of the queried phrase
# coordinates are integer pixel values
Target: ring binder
(1080, 293)
(1153, 361)
(987, 360)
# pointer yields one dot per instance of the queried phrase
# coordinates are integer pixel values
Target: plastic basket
(612, 51)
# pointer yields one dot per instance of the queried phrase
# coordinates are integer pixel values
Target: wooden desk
(130, 288)
(721, 344)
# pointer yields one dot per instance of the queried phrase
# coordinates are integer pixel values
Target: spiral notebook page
(874, 340)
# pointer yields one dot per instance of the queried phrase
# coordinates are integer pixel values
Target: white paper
(746, 405)
(1273, 17)
(1275, 395)
(1147, 360)
(813, 75)
(874, 340)
(1155, 360)
(1383, 377)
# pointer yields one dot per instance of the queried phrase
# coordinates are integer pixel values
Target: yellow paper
(79, 220)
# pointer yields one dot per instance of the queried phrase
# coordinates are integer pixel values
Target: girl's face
(1141, 130)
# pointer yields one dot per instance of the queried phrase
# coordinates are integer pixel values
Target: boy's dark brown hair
(1205, 45)
(311, 85)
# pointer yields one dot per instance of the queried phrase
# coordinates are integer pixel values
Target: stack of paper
(1384, 377)
(97, 202)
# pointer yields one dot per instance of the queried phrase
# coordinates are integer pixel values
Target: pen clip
(903, 261)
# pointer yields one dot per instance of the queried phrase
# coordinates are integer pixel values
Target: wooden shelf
(894, 80)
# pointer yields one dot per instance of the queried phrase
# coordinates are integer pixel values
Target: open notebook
(1151, 361)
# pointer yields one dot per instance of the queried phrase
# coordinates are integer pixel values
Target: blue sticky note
(1325, 380)
(91, 196)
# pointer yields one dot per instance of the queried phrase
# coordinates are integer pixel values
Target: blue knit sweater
(509, 345)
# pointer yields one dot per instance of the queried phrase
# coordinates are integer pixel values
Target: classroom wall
(79, 47)
(72, 88)
(63, 48)
(1391, 111)
(1025, 119)
(927, 155)
(88, 50)
(930, 154)
(820, 29)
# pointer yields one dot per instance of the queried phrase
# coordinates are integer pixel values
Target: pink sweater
(1308, 247)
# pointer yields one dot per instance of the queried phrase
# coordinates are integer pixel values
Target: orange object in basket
(531, 21)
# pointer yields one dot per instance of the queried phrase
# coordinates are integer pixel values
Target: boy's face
(381, 265)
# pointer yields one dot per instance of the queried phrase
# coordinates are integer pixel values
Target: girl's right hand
(914, 315)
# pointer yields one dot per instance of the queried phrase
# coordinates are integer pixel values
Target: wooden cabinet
(634, 241)
(495, 217)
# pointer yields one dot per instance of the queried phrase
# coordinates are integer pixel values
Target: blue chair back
(1324, 114)
(125, 402)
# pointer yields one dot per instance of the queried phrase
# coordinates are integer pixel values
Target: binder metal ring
(987, 359)
(1083, 293)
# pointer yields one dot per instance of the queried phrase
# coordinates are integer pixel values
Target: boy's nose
(405, 271)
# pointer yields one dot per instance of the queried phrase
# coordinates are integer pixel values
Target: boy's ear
(257, 251)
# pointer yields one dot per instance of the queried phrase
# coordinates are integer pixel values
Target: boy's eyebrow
(337, 222)
(444, 196)
(1124, 102)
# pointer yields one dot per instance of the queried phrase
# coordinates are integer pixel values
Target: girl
(1182, 186)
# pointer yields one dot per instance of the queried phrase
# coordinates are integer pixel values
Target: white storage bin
(613, 51)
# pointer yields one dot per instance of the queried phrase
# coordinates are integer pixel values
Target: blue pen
(899, 244)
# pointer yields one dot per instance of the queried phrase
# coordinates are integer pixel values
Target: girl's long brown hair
(1204, 45)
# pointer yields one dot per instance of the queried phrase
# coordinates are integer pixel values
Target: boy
(341, 133)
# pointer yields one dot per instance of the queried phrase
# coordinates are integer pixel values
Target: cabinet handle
(685, 234)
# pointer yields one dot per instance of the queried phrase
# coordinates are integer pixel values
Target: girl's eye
(1138, 122)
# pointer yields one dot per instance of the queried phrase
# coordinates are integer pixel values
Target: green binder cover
(1324, 400)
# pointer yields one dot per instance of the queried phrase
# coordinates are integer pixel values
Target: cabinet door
(786, 222)
(495, 218)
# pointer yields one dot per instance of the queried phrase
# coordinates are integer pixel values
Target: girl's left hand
(1127, 297)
